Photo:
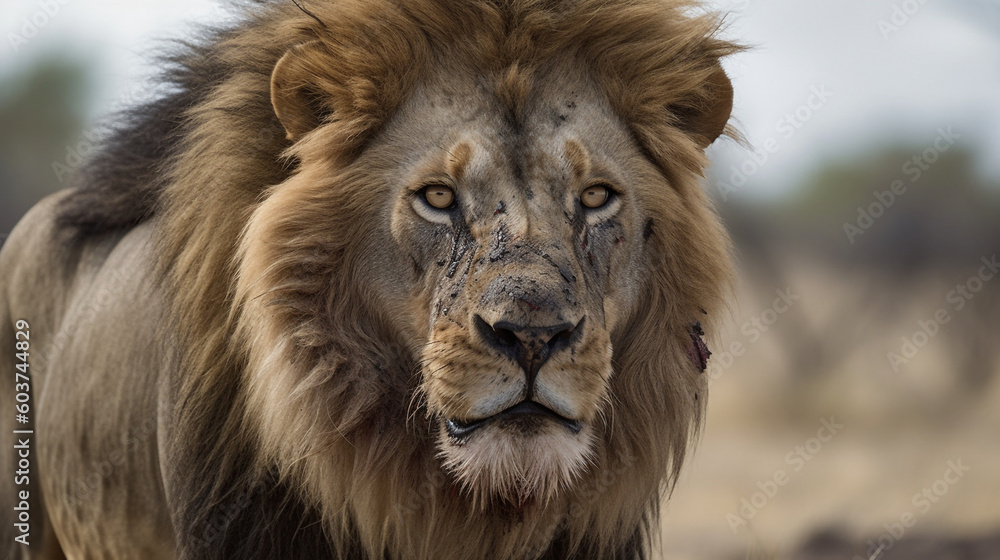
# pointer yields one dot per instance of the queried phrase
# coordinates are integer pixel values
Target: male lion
(378, 279)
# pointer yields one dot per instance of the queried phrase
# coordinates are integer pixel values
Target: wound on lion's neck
(698, 351)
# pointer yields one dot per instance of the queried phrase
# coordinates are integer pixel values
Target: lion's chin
(516, 460)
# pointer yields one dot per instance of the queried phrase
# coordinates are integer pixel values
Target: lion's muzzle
(528, 345)
(516, 373)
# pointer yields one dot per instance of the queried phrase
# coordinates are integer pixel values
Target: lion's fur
(285, 353)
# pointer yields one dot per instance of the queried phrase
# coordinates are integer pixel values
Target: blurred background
(855, 409)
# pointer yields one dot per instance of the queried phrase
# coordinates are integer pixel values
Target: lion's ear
(295, 96)
(707, 121)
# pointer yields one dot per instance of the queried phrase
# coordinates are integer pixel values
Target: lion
(379, 279)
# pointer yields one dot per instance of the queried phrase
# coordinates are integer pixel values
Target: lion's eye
(439, 196)
(595, 196)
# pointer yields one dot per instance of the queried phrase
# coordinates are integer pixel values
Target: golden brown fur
(319, 325)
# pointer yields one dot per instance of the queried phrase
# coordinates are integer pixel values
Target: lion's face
(524, 244)
(485, 261)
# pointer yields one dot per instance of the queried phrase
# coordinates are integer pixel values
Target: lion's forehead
(517, 170)
(458, 126)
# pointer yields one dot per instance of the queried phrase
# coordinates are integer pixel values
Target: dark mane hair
(121, 185)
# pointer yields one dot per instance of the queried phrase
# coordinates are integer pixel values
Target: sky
(892, 69)
(823, 80)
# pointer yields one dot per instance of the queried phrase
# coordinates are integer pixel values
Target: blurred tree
(43, 109)
(892, 219)
(941, 215)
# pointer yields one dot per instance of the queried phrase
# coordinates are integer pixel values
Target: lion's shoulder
(32, 259)
(41, 273)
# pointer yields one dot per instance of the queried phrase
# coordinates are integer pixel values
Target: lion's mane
(365, 481)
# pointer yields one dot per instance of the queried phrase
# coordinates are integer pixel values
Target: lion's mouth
(527, 410)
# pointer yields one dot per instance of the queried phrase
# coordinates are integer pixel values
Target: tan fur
(310, 296)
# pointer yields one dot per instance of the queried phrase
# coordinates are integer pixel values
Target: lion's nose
(530, 346)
